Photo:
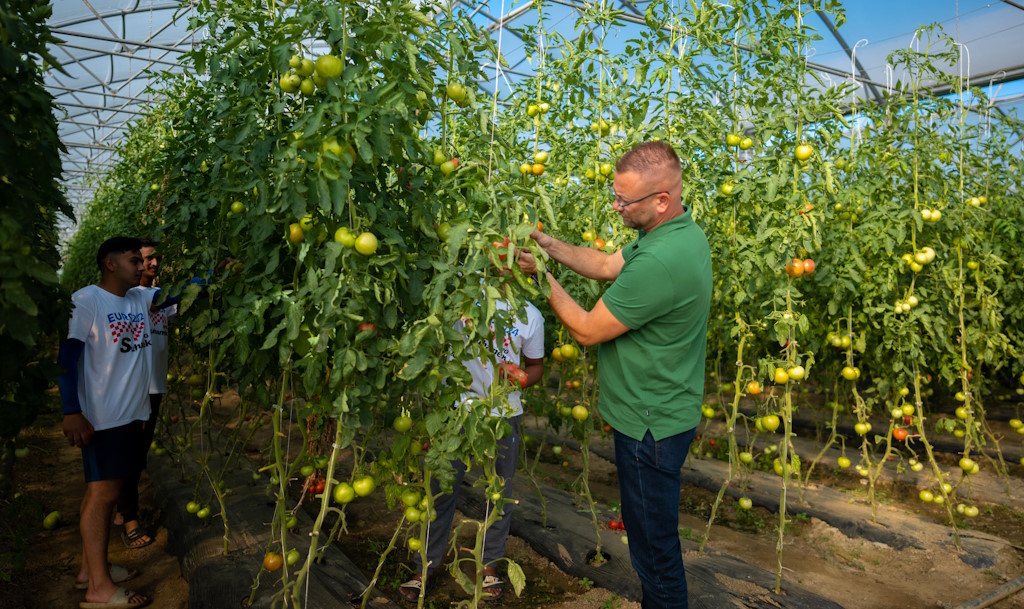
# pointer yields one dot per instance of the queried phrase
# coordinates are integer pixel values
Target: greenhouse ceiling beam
(1014, 4)
(505, 70)
(151, 61)
(118, 13)
(103, 53)
(506, 18)
(875, 93)
(103, 108)
(100, 18)
(743, 47)
(76, 127)
(90, 112)
(123, 41)
(77, 123)
(84, 145)
(88, 92)
(85, 69)
(994, 77)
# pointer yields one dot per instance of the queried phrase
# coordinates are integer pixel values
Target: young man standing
(523, 345)
(651, 325)
(135, 535)
(105, 396)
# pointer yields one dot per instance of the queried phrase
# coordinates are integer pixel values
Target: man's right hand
(527, 262)
(543, 240)
(77, 429)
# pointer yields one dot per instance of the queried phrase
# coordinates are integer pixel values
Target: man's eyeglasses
(616, 198)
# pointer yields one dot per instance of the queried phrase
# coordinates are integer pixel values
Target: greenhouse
(257, 255)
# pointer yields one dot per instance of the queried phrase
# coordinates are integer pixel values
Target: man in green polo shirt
(651, 325)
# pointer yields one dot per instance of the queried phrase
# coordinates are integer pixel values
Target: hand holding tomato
(513, 374)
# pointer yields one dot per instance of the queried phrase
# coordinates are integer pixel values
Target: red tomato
(367, 327)
(900, 434)
(501, 245)
(795, 267)
(513, 373)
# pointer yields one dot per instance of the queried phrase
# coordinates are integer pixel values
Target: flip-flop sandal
(136, 538)
(118, 575)
(410, 590)
(494, 587)
(122, 599)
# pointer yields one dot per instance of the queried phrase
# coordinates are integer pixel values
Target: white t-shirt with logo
(115, 368)
(158, 334)
(522, 339)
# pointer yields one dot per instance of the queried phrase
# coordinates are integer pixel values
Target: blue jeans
(649, 489)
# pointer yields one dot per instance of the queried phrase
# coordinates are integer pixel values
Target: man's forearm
(590, 263)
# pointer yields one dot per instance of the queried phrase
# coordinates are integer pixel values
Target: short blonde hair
(648, 156)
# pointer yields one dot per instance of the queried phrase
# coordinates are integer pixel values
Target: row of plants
(33, 306)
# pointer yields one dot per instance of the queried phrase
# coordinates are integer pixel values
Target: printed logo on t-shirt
(158, 321)
(127, 329)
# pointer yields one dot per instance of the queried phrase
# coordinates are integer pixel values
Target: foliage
(33, 308)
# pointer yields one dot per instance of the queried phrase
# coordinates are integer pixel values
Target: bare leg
(97, 507)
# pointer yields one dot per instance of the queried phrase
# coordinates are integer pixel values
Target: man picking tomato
(105, 395)
(135, 535)
(523, 343)
(651, 325)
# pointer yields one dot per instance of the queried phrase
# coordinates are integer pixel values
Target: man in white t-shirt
(105, 396)
(135, 535)
(522, 345)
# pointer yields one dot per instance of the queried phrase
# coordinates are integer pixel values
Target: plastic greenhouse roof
(111, 49)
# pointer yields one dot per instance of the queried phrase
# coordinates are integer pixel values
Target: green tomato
(343, 493)
(364, 486)
(51, 520)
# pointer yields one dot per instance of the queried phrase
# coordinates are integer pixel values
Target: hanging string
(494, 100)
(855, 130)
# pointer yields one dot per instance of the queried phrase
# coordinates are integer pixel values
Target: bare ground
(855, 573)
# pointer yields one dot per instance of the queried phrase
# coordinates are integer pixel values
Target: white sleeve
(533, 342)
(82, 316)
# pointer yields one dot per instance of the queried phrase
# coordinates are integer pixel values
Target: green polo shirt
(652, 377)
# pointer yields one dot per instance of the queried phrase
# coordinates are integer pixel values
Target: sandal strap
(412, 584)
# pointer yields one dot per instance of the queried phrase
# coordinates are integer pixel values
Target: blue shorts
(108, 455)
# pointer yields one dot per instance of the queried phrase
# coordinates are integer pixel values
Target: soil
(849, 570)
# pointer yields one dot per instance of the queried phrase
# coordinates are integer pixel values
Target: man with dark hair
(523, 346)
(135, 535)
(105, 395)
(651, 325)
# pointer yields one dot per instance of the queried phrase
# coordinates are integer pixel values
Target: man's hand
(542, 239)
(527, 262)
(77, 429)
